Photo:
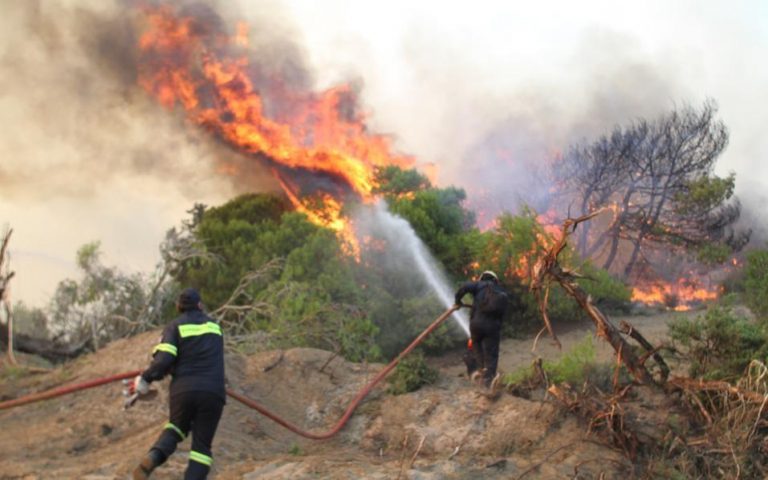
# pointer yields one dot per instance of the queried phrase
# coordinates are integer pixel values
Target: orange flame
(552, 228)
(680, 296)
(185, 63)
(328, 215)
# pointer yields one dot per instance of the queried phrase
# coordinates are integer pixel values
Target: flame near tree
(186, 61)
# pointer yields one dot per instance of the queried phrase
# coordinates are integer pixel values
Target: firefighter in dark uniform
(192, 351)
(489, 304)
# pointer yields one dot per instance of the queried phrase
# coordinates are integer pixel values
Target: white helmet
(489, 275)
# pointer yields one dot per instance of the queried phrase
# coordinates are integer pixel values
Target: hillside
(442, 431)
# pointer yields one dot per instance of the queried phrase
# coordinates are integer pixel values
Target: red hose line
(356, 401)
(57, 392)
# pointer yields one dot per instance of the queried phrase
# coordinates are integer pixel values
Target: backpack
(493, 300)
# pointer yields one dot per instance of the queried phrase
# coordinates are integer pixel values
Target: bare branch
(547, 269)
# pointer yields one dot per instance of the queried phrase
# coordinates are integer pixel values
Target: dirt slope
(444, 431)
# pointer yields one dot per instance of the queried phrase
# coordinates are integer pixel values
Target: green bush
(411, 374)
(607, 292)
(517, 377)
(719, 345)
(756, 282)
(574, 365)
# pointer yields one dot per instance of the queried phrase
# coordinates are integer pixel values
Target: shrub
(574, 365)
(718, 344)
(517, 377)
(608, 293)
(756, 282)
(411, 373)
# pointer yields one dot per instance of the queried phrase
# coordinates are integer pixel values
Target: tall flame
(183, 62)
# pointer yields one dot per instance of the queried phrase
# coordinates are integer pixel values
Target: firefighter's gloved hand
(140, 385)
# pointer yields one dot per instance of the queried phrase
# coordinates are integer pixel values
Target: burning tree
(658, 178)
(316, 144)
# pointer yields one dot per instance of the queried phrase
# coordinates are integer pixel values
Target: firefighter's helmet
(489, 275)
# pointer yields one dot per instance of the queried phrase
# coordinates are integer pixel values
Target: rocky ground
(444, 431)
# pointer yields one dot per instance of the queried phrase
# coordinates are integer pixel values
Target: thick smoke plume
(79, 119)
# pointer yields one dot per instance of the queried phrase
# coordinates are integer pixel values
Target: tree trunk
(4, 303)
(633, 258)
(47, 349)
(613, 251)
(9, 316)
(615, 230)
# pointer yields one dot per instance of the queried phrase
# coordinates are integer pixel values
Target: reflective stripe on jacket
(192, 351)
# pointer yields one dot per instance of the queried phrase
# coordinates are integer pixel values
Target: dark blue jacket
(192, 351)
(478, 291)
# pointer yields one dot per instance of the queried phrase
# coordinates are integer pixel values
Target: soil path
(515, 353)
(444, 431)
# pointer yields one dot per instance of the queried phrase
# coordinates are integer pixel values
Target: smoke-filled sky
(484, 90)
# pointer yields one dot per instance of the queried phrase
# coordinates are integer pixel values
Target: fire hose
(57, 392)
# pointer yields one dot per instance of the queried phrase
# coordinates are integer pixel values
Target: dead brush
(605, 414)
(724, 432)
(732, 439)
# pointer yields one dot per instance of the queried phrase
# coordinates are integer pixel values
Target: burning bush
(512, 246)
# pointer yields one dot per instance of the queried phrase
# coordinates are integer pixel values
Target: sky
(484, 90)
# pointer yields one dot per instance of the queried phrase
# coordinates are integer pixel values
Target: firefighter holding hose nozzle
(192, 351)
(489, 304)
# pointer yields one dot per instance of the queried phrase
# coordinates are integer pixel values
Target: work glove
(139, 386)
(136, 389)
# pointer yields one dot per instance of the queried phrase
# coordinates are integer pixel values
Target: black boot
(151, 461)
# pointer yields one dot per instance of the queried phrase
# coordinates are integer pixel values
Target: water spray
(401, 235)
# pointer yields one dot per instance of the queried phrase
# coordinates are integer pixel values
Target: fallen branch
(543, 302)
(605, 417)
(630, 330)
(690, 384)
(547, 270)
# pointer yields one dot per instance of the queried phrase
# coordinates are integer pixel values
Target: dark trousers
(486, 335)
(196, 412)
